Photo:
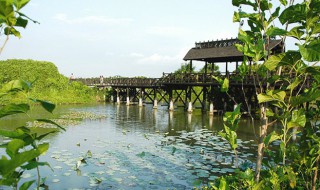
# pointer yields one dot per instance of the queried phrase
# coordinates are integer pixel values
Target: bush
(46, 80)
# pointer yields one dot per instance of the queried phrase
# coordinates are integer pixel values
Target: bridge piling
(128, 97)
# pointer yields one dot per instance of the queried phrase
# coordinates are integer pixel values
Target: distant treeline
(47, 83)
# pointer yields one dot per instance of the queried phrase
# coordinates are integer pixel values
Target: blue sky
(119, 37)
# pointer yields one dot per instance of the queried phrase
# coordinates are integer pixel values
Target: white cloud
(167, 31)
(91, 19)
(139, 55)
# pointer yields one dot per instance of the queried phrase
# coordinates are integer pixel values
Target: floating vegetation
(69, 119)
(55, 180)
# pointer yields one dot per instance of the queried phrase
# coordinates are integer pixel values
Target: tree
(288, 91)
(287, 87)
(11, 19)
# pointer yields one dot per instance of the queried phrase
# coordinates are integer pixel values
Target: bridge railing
(171, 78)
(198, 78)
(139, 82)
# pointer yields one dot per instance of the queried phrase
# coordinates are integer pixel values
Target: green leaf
(272, 95)
(284, 2)
(14, 146)
(233, 117)
(230, 136)
(271, 137)
(20, 3)
(298, 119)
(308, 96)
(293, 14)
(239, 47)
(244, 2)
(313, 70)
(236, 17)
(311, 52)
(20, 132)
(16, 85)
(223, 184)
(12, 31)
(225, 85)
(274, 15)
(25, 16)
(12, 109)
(39, 138)
(243, 69)
(296, 32)
(275, 31)
(295, 83)
(34, 164)
(46, 105)
(51, 122)
(219, 80)
(288, 58)
(21, 22)
(7, 166)
(26, 185)
(316, 29)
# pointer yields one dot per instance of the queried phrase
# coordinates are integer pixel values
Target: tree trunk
(263, 133)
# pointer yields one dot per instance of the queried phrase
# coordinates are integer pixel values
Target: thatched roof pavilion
(223, 51)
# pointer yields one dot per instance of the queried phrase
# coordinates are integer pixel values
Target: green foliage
(11, 17)
(224, 83)
(47, 83)
(231, 120)
(24, 147)
(288, 82)
(185, 68)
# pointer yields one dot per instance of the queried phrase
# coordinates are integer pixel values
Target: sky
(119, 37)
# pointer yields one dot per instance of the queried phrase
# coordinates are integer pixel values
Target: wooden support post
(186, 99)
(190, 109)
(118, 97)
(171, 106)
(141, 98)
(211, 122)
(190, 122)
(237, 65)
(128, 97)
(155, 101)
(171, 126)
(211, 109)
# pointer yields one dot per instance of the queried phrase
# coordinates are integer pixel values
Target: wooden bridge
(191, 90)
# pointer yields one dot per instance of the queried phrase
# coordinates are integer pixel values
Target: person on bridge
(101, 79)
(71, 78)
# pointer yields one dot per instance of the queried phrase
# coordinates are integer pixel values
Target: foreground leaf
(12, 109)
(7, 166)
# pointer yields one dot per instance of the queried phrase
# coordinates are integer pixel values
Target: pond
(139, 148)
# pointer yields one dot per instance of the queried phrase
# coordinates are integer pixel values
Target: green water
(138, 148)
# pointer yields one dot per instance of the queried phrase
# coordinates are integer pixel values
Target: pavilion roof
(222, 51)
